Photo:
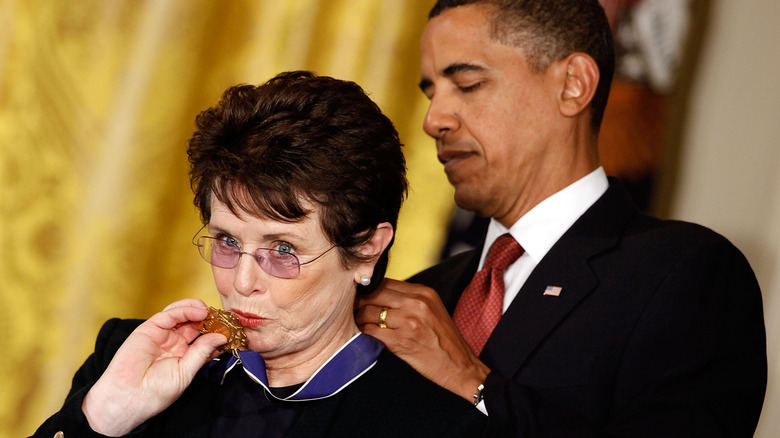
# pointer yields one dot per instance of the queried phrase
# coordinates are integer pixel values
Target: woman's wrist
(104, 416)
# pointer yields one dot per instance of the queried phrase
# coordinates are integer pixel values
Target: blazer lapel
(532, 316)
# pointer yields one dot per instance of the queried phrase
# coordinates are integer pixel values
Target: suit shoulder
(112, 334)
(670, 233)
(681, 253)
(455, 263)
(393, 374)
(393, 394)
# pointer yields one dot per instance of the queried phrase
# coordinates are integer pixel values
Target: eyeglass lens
(222, 254)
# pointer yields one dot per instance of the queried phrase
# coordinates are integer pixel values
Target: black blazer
(658, 331)
(390, 400)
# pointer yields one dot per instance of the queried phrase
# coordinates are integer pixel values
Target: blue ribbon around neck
(356, 357)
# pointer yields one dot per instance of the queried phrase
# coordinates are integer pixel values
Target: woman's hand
(151, 369)
(421, 332)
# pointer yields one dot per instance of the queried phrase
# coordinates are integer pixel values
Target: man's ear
(579, 76)
(374, 248)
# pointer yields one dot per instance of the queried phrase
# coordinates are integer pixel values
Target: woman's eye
(228, 241)
(285, 248)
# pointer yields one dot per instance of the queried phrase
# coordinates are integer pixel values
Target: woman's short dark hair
(550, 30)
(299, 139)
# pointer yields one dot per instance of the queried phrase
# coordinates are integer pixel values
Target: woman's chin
(262, 346)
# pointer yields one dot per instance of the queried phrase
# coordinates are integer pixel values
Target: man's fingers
(370, 314)
(382, 297)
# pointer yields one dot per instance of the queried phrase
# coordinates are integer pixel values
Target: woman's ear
(579, 79)
(374, 248)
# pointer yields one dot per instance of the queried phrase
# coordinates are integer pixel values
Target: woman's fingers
(199, 352)
(187, 302)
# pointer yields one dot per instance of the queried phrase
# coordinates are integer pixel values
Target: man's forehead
(448, 57)
(448, 46)
(460, 37)
(465, 22)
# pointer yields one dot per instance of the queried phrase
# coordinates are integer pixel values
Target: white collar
(539, 229)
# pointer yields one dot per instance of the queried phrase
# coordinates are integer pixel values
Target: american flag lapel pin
(553, 291)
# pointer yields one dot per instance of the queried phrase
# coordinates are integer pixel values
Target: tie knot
(504, 251)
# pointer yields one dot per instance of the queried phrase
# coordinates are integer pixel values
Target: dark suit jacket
(658, 331)
(390, 400)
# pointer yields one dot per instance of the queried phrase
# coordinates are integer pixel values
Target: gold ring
(383, 318)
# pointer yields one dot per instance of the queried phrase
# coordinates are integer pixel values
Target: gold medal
(227, 324)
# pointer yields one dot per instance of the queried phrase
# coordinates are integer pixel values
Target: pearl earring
(365, 280)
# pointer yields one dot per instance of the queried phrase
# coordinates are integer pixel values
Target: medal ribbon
(356, 357)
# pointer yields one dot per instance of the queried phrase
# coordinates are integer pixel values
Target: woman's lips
(249, 320)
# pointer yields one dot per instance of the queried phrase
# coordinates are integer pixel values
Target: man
(612, 323)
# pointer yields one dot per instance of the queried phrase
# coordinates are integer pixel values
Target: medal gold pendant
(227, 324)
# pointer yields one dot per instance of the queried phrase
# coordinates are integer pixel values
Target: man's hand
(151, 369)
(421, 332)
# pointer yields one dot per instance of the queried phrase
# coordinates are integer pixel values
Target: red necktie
(480, 307)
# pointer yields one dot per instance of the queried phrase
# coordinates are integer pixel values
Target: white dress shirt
(539, 229)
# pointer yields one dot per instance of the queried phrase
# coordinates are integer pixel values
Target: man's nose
(440, 118)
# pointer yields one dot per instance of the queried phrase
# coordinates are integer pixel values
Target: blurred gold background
(98, 98)
(97, 101)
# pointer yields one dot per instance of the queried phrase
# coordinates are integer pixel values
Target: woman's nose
(248, 276)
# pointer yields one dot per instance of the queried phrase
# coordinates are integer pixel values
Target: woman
(299, 182)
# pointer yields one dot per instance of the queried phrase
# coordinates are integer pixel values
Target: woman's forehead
(256, 226)
(285, 205)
